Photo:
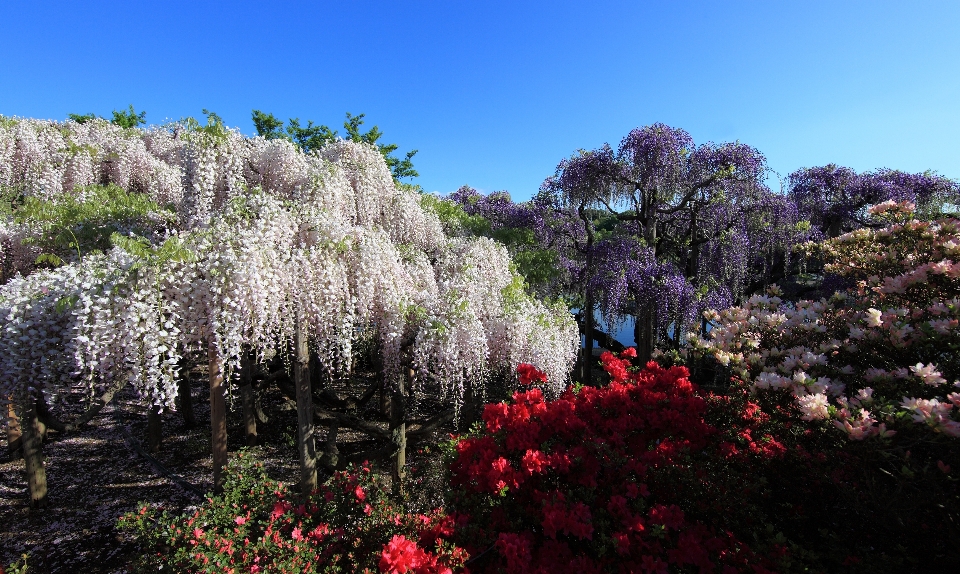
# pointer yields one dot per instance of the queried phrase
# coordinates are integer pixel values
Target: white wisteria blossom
(265, 236)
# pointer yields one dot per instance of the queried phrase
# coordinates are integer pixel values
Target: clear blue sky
(495, 94)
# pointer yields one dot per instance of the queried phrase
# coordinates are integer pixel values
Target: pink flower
(929, 374)
(814, 407)
(279, 508)
(954, 398)
(400, 556)
(240, 520)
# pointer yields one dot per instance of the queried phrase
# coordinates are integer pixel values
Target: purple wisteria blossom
(835, 198)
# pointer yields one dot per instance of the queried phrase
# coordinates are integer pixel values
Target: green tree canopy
(128, 118)
(313, 137)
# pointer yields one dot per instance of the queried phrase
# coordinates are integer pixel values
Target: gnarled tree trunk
(185, 400)
(14, 435)
(398, 433)
(33, 454)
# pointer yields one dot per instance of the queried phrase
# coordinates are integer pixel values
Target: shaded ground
(94, 477)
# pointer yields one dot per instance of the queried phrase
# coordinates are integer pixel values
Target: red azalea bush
(601, 480)
(257, 525)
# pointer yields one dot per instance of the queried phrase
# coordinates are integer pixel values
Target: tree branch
(426, 426)
(352, 422)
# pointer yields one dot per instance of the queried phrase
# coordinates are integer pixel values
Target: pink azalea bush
(880, 358)
(861, 389)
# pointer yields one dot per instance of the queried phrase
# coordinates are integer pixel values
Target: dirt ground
(95, 476)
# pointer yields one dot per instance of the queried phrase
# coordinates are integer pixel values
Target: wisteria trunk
(248, 399)
(588, 326)
(154, 428)
(644, 331)
(33, 454)
(218, 416)
(305, 426)
(14, 437)
(586, 363)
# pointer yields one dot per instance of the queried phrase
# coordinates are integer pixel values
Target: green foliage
(268, 126)
(515, 292)
(215, 127)
(538, 266)
(83, 118)
(171, 249)
(400, 168)
(85, 222)
(453, 217)
(313, 137)
(128, 118)
(17, 566)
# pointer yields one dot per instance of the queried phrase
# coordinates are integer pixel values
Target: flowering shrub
(859, 390)
(257, 525)
(874, 360)
(588, 481)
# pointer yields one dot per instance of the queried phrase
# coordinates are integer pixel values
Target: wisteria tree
(238, 246)
(692, 227)
(835, 199)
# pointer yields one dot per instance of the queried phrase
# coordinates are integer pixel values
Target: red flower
(528, 374)
(629, 353)
(516, 550)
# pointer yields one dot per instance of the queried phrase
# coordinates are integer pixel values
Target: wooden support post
(14, 440)
(218, 416)
(248, 399)
(185, 398)
(154, 428)
(33, 454)
(305, 426)
(398, 433)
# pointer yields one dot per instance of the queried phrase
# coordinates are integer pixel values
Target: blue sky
(495, 94)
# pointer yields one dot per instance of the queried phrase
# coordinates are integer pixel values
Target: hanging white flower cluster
(90, 323)
(16, 256)
(482, 322)
(44, 159)
(268, 236)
